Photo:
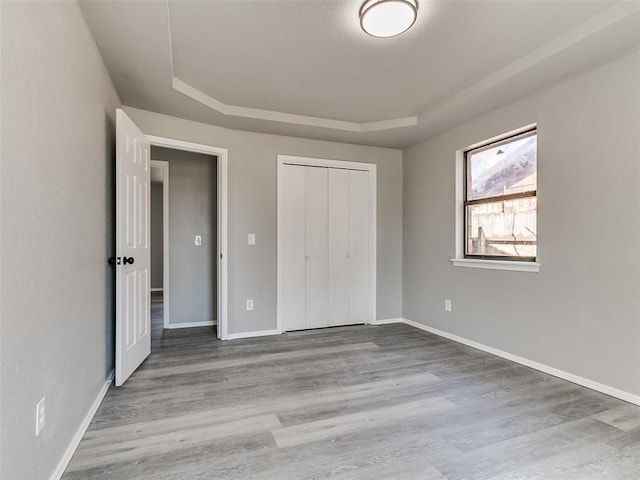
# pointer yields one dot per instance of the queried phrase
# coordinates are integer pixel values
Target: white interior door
(133, 319)
(359, 235)
(292, 196)
(338, 247)
(317, 291)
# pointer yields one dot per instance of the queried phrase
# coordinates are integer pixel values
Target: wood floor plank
(241, 362)
(340, 425)
(593, 461)
(500, 458)
(625, 417)
(97, 452)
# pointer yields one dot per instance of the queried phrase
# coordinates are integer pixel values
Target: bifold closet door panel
(293, 247)
(317, 279)
(359, 298)
(338, 247)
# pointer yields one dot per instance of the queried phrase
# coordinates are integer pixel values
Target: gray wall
(56, 230)
(581, 313)
(157, 249)
(192, 211)
(252, 209)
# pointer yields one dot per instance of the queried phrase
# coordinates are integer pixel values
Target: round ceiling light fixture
(388, 18)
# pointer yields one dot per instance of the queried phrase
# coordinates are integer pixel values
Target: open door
(133, 316)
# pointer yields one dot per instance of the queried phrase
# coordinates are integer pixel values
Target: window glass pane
(506, 228)
(504, 168)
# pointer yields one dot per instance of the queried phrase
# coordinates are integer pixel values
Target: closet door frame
(283, 160)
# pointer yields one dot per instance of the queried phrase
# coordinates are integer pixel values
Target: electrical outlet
(198, 240)
(447, 305)
(251, 239)
(249, 304)
(40, 416)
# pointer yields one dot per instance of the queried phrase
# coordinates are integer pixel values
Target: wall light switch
(40, 416)
(447, 305)
(249, 304)
(198, 240)
(251, 238)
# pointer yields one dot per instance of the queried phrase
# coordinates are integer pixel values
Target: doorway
(188, 204)
(184, 259)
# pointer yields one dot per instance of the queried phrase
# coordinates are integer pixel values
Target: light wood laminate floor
(362, 402)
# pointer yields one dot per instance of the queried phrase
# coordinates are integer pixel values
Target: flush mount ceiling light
(388, 18)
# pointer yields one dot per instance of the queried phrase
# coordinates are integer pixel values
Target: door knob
(114, 260)
(128, 260)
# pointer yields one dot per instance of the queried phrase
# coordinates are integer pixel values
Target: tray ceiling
(305, 68)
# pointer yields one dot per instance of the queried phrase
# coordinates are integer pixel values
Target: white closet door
(338, 247)
(359, 246)
(317, 247)
(293, 247)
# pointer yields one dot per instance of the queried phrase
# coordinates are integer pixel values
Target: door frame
(164, 165)
(222, 155)
(373, 213)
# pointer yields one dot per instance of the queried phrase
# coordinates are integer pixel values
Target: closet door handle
(128, 260)
(308, 257)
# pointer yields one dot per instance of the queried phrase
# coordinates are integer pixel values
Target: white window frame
(460, 181)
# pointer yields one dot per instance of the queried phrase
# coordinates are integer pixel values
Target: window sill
(497, 264)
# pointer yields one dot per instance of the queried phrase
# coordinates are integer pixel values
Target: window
(500, 202)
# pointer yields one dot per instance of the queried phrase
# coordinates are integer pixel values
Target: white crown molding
(283, 117)
(572, 37)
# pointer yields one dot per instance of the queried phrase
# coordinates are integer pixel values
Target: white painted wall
(252, 209)
(581, 313)
(56, 229)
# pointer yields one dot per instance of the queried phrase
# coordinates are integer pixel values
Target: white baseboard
(386, 321)
(261, 333)
(173, 326)
(585, 382)
(157, 289)
(75, 441)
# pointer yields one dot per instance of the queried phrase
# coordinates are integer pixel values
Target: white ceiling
(305, 68)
